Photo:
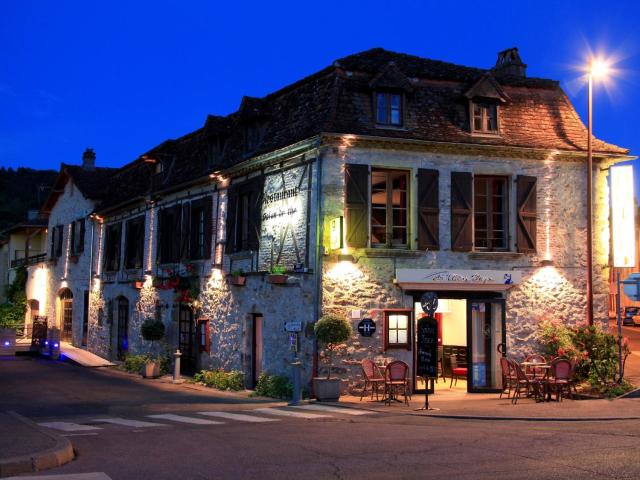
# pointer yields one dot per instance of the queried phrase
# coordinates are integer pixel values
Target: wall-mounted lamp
(547, 262)
(346, 258)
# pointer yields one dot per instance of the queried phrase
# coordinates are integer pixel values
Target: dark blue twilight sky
(124, 76)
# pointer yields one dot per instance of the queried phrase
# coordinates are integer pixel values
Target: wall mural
(283, 231)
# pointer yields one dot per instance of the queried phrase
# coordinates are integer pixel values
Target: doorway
(66, 305)
(187, 340)
(256, 348)
(123, 328)
(487, 341)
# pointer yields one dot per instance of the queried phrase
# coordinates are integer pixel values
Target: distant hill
(21, 190)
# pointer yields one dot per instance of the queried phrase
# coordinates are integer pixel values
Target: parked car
(631, 317)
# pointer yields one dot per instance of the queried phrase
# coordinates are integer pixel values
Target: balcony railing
(33, 260)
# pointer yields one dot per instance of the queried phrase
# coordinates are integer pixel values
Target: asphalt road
(375, 445)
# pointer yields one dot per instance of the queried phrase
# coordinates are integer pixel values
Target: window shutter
(428, 210)
(255, 213)
(60, 229)
(208, 228)
(160, 238)
(176, 236)
(72, 242)
(356, 205)
(461, 211)
(53, 242)
(185, 231)
(232, 206)
(527, 214)
(118, 245)
(81, 235)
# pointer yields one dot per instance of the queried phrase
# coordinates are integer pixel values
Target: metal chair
(396, 379)
(561, 377)
(456, 371)
(523, 383)
(372, 377)
(509, 377)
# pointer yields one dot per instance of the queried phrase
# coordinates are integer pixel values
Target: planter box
(327, 389)
(151, 370)
(238, 281)
(138, 284)
(277, 279)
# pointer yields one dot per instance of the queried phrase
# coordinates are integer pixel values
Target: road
(108, 408)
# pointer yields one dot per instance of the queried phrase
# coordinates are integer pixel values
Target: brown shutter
(428, 210)
(176, 234)
(117, 246)
(185, 231)
(81, 239)
(356, 205)
(255, 212)
(461, 211)
(527, 214)
(208, 208)
(232, 206)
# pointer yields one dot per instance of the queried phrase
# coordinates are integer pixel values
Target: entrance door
(256, 349)
(486, 340)
(187, 341)
(123, 327)
(66, 302)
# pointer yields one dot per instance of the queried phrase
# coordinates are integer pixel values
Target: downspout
(317, 297)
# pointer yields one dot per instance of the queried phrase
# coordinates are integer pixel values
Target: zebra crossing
(206, 418)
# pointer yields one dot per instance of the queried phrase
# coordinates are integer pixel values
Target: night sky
(124, 76)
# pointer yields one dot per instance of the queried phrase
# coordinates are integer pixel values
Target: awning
(466, 280)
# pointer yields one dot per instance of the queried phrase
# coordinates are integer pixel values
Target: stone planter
(277, 279)
(327, 389)
(151, 370)
(238, 280)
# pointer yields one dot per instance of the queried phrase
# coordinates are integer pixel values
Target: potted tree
(277, 275)
(152, 330)
(238, 278)
(331, 331)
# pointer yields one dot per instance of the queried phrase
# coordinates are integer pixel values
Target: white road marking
(327, 408)
(68, 426)
(239, 417)
(290, 413)
(183, 419)
(129, 423)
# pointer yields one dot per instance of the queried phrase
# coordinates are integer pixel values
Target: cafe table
(540, 380)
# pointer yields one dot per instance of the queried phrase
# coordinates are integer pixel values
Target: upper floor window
(112, 247)
(389, 208)
(243, 215)
(56, 241)
(77, 236)
(169, 234)
(134, 243)
(490, 213)
(485, 117)
(388, 108)
(200, 229)
(253, 135)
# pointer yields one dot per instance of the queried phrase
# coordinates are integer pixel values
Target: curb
(59, 454)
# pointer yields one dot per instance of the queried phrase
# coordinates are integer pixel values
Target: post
(618, 316)
(297, 382)
(590, 207)
(176, 367)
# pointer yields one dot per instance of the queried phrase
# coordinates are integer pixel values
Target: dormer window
(253, 136)
(485, 117)
(389, 109)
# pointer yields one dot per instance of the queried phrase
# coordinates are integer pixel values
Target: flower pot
(151, 370)
(138, 284)
(326, 389)
(277, 279)
(239, 280)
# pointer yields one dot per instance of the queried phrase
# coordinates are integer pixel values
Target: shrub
(331, 331)
(134, 363)
(152, 330)
(274, 386)
(233, 380)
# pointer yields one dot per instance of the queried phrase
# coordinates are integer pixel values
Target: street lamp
(597, 69)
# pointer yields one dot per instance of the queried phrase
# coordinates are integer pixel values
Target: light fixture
(346, 257)
(547, 262)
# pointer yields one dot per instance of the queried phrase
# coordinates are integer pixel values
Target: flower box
(277, 279)
(138, 284)
(237, 280)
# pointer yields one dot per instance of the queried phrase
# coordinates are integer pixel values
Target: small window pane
(378, 216)
(401, 320)
(381, 116)
(378, 236)
(402, 336)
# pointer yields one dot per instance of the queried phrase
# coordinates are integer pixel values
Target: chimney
(509, 63)
(89, 159)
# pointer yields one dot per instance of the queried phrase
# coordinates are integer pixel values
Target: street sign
(366, 327)
(632, 287)
(293, 326)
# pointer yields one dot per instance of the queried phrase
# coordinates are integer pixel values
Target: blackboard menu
(427, 354)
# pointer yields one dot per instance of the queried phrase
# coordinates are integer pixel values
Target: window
(204, 343)
(389, 208)
(485, 117)
(169, 234)
(112, 248)
(490, 212)
(200, 229)
(397, 329)
(77, 236)
(253, 135)
(215, 151)
(243, 215)
(56, 241)
(389, 109)
(134, 243)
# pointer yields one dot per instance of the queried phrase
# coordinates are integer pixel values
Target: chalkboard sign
(427, 354)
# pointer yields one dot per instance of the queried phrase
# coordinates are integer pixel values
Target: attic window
(484, 117)
(388, 108)
(158, 168)
(253, 136)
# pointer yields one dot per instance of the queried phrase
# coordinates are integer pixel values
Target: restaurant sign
(445, 279)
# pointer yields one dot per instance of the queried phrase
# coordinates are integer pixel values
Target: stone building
(354, 191)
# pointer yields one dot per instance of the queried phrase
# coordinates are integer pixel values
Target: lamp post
(596, 69)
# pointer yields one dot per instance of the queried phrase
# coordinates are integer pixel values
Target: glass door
(486, 340)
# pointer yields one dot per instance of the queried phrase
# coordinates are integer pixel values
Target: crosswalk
(206, 418)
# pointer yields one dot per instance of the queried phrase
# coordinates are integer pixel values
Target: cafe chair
(396, 380)
(529, 386)
(373, 378)
(561, 377)
(509, 377)
(456, 371)
(441, 363)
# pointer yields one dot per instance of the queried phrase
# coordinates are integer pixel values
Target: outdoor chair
(561, 377)
(523, 383)
(456, 371)
(509, 377)
(531, 370)
(441, 363)
(396, 379)
(373, 378)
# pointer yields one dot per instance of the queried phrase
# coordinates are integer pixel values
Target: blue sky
(124, 76)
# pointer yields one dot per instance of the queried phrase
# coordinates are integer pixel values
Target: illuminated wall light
(623, 222)
(7, 343)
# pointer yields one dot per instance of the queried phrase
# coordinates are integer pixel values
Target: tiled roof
(92, 183)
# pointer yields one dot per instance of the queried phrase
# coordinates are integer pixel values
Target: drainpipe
(317, 297)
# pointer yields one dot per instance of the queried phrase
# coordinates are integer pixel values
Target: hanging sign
(366, 327)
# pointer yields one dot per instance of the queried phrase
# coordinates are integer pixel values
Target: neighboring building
(375, 180)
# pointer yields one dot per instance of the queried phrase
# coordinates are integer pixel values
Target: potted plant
(277, 275)
(238, 278)
(152, 330)
(330, 331)
(138, 284)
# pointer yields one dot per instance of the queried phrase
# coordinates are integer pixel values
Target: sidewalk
(25, 447)
(457, 403)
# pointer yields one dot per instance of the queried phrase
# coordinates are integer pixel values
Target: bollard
(176, 367)
(297, 382)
